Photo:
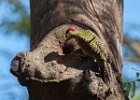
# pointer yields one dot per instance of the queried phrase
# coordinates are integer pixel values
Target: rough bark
(51, 70)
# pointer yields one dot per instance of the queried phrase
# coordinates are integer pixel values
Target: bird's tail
(106, 72)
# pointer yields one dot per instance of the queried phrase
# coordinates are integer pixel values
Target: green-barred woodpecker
(92, 46)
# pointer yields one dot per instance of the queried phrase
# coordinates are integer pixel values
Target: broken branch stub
(48, 63)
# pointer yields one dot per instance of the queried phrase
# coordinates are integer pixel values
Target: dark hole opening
(68, 48)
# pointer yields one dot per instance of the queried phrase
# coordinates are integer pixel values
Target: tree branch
(135, 46)
(132, 59)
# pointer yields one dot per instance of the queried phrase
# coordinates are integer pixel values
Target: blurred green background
(14, 38)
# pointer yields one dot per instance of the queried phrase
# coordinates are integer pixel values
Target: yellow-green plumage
(92, 46)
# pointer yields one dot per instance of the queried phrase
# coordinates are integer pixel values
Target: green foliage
(23, 24)
(133, 89)
(137, 98)
(130, 86)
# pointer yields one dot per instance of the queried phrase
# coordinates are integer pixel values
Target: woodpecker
(92, 46)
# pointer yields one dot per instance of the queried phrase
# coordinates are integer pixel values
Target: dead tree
(51, 70)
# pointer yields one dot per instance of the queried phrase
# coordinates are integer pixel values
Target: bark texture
(53, 68)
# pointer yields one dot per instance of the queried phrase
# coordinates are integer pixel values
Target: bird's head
(70, 33)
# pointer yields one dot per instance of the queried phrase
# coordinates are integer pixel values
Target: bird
(92, 46)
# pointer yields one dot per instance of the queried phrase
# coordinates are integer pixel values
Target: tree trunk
(51, 70)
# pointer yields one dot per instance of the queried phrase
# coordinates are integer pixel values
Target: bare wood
(52, 70)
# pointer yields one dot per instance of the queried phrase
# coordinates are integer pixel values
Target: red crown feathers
(71, 29)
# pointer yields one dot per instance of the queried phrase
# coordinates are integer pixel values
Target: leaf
(137, 74)
(133, 90)
(128, 88)
(125, 84)
(138, 80)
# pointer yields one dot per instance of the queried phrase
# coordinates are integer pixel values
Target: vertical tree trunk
(51, 70)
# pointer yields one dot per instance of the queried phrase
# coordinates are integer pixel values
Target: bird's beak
(68, 36)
